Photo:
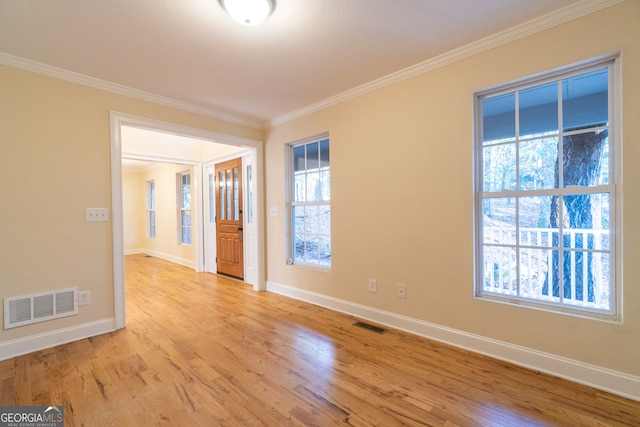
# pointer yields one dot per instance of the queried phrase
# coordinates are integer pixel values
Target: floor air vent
(27, 309)
(369, 326)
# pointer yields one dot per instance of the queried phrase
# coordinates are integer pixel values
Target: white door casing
(256, 158)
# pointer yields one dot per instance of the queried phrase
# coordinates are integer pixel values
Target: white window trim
(289, 194)
(149, 209)
(179, 207)
(615, 313)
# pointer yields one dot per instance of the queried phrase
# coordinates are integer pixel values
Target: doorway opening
(249, 150)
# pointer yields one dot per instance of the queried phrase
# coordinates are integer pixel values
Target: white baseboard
(167, 257)
(134, 251)
(20, 346)
(594, 376)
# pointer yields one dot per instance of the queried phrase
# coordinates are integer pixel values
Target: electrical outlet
(401, 290)
(84, 298)
(373, 285)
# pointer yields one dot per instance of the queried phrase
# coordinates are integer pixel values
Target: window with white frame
(546, 155)
(310, 202)
(184, 207)
(151, 209)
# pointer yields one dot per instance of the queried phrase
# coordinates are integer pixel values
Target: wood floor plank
(205, 350)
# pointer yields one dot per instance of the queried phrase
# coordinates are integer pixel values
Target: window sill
(566, 310)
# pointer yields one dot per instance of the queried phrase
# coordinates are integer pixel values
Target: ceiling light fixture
(248, 12)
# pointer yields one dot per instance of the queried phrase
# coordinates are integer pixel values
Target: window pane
(539, 110)
(228, 185)
(314, 190)
(298, 246)
(311, 251)
(249, 194)
(298, 219)
(212, 213)
(585, 100)
(585, 159)
(499, 167)
(499, 118)
(313, 156)
(236, 193)
(324, 220)
(324, 153)
(298, 159)
(186, 191)
(152, 224)
(586, 279)
(300, 187)
(186, 218)
(535, 221)
(534, 273)
(325, 184)
(221, 191)
(152, 195)
(324, 251)
(539, 164)
(588, 222)
(499, 220)
(311, 220)
(500, 274)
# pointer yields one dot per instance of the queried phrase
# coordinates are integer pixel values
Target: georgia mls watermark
(31, 416)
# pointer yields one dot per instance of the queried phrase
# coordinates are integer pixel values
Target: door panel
(229, 220)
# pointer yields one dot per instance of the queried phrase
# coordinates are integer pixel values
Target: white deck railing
(525, 273)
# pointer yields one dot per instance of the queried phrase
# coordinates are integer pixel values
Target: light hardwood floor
(202, 350)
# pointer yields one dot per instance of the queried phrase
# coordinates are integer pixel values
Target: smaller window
(151, 209)
(249, 194)
(184, 207)
(310, 202)
(212, 191)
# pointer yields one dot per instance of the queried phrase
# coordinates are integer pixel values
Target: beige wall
(166, 242)
(55, 162)
(133, 211)
(402, 198)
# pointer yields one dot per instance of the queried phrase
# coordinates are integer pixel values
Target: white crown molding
(615, 382)
(557, 17)
(73, 77)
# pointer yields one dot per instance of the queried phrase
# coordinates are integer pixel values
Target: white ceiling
(307, 51)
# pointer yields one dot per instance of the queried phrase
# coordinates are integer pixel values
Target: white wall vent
(27, 309)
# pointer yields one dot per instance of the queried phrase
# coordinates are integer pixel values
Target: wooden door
(230, 252)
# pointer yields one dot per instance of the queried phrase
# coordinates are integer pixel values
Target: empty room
(198, 226)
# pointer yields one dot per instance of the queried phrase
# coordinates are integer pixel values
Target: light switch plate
(97, 214)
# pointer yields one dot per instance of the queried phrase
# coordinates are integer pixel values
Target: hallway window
(310, 202)
(151, 209)
(184, 207)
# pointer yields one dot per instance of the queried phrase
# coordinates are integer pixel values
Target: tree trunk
(581, 164)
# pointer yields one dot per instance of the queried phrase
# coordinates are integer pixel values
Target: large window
(151, 209)
(310, 203)
(184, 207)
(545, 184)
